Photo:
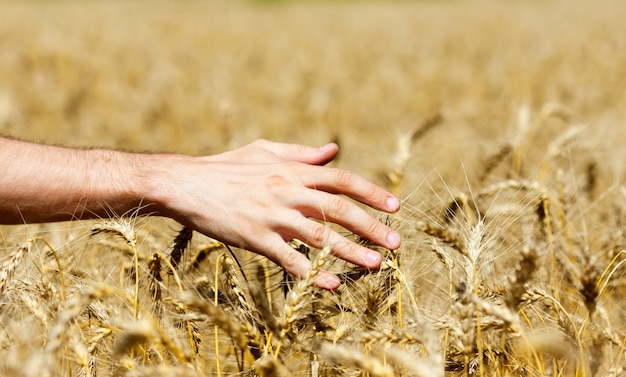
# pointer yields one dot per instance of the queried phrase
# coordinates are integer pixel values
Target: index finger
(299, 152)
(339, 181)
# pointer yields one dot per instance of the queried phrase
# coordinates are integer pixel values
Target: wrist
(114, 181)
(154, 183)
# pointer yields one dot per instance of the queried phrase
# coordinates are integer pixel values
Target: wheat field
(500, 124)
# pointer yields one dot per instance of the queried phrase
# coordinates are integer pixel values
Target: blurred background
(501, 125)
(201, 77)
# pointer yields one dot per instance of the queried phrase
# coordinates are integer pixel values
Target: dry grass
(499, 124)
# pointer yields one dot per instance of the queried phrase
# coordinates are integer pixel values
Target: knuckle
(290, 260)
(300, 149)
(277, 180)
(319, 235)
(372, 228)
(344, 178)
(349, 252)
(375, 194)
(339, 205)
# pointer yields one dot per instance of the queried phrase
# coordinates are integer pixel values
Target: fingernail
(373, 259)
(393, 204)
(394, 240)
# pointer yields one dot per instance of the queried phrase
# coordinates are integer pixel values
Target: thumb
(301, 153)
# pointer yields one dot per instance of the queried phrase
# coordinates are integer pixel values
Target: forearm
(40, 183)
(256, 197)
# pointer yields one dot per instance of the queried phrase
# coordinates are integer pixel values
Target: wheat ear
(75, 306)
(262, 302)
(241, 333)
(124, 228)
(181, 242)
(495, 160)
(269, 366)
(9, 268)
(154, 285)
(230, 271)
(404, 145)
(443, 234)
(523, 273)
(205, 252)
(299, 296)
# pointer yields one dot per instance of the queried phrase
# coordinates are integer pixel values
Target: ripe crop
(500, 125)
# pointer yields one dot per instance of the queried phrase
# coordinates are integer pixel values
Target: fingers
(338, 181)
(336, 209)
(294, 191)
(300, 153)
(296, 223)
(319, 236)
(297, 264)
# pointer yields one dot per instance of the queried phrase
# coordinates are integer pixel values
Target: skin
(255, 197)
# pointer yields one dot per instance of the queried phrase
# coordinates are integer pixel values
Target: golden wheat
(498, 124)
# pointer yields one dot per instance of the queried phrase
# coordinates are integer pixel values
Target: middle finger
(341, 211)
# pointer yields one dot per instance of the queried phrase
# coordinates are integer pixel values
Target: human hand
(261, 195)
